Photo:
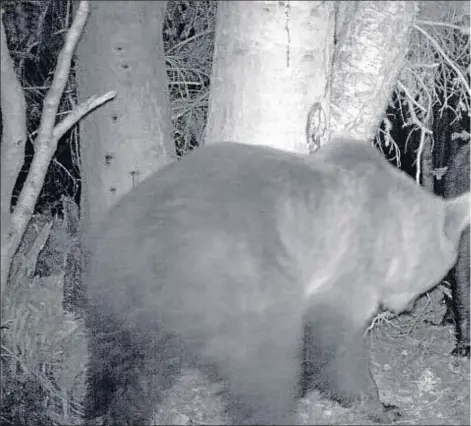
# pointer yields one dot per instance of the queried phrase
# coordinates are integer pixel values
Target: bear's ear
(457, 216)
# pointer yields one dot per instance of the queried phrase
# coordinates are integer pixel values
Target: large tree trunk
(131, 137)
(368, 59)
(270, 68)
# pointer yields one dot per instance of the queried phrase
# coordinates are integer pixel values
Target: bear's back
(230, 210)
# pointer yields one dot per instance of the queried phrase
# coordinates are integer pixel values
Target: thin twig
(461, 28)
(182, 43)
(446, 57)
(406, 91)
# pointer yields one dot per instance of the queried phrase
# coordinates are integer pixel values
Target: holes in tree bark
(108, 158)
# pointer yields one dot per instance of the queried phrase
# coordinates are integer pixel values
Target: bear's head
(428, 235)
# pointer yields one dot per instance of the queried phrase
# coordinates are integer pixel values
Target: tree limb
(83, 109)
(45, 146)
(446, 57)
(12, 101)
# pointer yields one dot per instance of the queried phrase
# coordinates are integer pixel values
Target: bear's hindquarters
(128, 371)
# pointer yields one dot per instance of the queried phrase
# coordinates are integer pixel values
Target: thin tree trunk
(12, 101)
(425, 170)
(270, 69)
(131, 137)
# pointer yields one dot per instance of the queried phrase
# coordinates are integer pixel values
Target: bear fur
(261, 268)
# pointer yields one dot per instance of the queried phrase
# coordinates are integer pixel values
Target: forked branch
(46, 142)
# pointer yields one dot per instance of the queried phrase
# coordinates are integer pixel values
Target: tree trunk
(13, 105)
(271, 65)
(368, 59)
(424, 174)
(131, 137)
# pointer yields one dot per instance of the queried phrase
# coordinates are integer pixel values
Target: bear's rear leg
(262, 385)
(127, 372)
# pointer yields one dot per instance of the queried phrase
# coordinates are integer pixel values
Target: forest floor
(410, 361)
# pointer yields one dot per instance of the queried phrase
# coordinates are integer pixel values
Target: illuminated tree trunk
(270, 68)
(372, 46)
(131, 137)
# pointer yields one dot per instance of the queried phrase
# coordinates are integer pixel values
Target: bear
(261, 268)
(457, 182)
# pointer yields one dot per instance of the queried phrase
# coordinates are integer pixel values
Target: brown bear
(261, 268)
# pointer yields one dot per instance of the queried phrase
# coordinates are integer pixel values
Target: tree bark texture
(131, 137)
(12, 102)
(271, 64)
(368, 59)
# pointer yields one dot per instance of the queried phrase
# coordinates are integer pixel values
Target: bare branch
(446, 57)
(61, 74)
(424, 130)
(45, 146)
(409, 96)
(188, 40)
(414, 119)
(461, 28)
(83, 109)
